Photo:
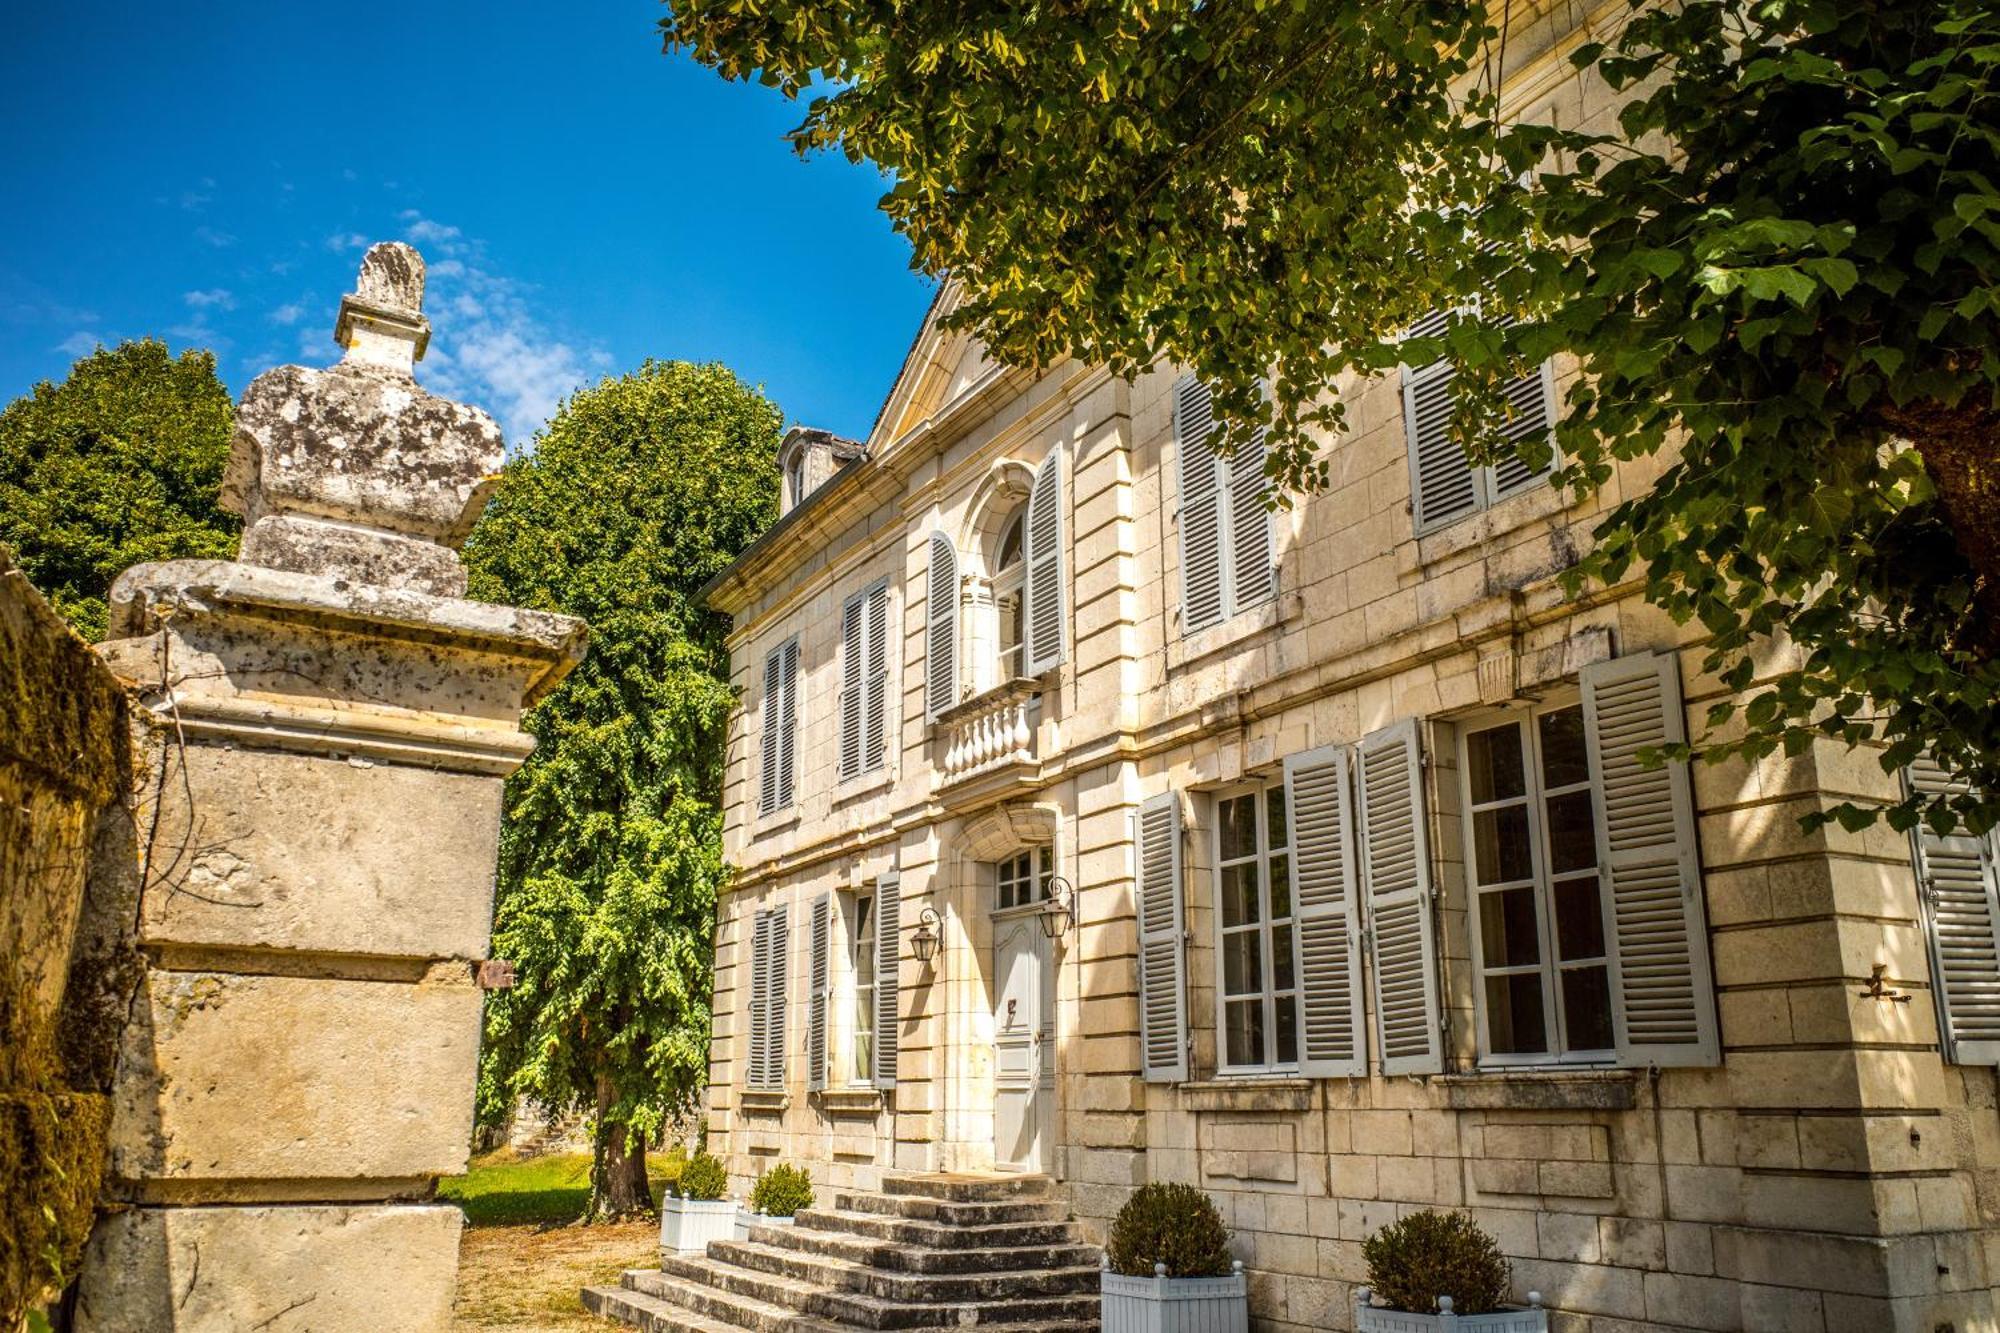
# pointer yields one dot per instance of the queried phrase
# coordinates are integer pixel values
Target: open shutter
(774, 1004)
(1662, 1001)
(875, 710)
(1957, 879)
(888, 958)
(818, 998)
(941, 627)
(759, 968)
(788, 728)
(1396, 874)
(1249, 528)
(772, 729)
(851, 620)
(1532, 397)
(1043, 534)
(1327, 910)
(1444, 486)
(1201, 513)
(1162, 941)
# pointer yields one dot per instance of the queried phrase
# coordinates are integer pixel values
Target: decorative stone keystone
(322, 814)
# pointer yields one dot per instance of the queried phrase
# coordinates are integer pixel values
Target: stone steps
(996, 1253)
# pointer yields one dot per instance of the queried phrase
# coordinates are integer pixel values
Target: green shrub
(782, 1191)
(1175, 1225)
(703, 1178)
(1430, 1254)
(667, 1169)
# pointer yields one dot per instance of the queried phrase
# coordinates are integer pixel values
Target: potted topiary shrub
(1167, 1267)
(1431, 1272)
(778, 1194)
(693, 1213)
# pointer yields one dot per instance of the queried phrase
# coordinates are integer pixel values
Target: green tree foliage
(118, 464)
(639, 491)
(1782, 275)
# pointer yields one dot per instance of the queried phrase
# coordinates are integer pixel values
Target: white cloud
(221, 240)
(427, 231)
(291, 312)
(81, 343)
(346, 240)
(213, 298)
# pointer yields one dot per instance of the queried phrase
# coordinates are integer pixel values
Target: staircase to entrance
(997, 1253)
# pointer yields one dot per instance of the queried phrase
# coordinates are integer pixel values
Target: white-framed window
(795, 479)
(1023, 878)
(1446, 486)
(1257, 994)
(1010, 569)
(779, 728)
(1536, 893)
(864, 681)
(1225, 522)
(861, 946)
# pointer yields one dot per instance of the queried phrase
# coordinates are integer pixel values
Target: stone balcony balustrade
(990, 732)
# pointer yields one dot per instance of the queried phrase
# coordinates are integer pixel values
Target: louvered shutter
(941, 627)
(1958, 880)
(773, 731)
(1249, 528)
(1332, 1042)
(759, 969)
(788, 729)
(875, 714)
(852, 621)
(775, 1014)
(888, 959)
(1043, 537)
(1532, 397)
(818, 998)
(1444, 485)
(1162, 941)
(1662, 1001)
(1396, 875)
(1201, 508)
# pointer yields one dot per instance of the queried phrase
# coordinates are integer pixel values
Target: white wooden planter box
(1369, 1319)
(745, 1219)
(688, 1225)
(1176, 1304)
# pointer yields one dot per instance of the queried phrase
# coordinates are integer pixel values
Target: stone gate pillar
(318, 830)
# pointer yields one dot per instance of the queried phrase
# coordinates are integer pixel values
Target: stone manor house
(1095, 820)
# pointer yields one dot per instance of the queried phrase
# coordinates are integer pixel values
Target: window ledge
(1191, 648)
(860, 1101)
(763, 1101)
(776, 822)
(868, 784)
(1248, 1093)
(1543, 1090)
(1478, 528)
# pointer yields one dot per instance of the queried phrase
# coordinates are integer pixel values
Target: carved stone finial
(357, 471)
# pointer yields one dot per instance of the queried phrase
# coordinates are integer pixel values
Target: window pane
(1572, 841)
(1236, 818)
(1244, 1032)
(1500, 845)
(1288, 1031)
(1507, 933)
(1587, 1009)
(1579, 919)
(1281, 958)
(1281, 887)
(1564, 759)
(1274, 815)
(1239, 894)
(1514, 1014)
(1010, 544)
(1493, 763)
(1243, 963)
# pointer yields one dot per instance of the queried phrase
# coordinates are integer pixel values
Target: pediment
(942, 365)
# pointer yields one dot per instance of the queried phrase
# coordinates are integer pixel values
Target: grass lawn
(521, 1262)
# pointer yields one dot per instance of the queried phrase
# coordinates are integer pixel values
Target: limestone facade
(1623, 1014)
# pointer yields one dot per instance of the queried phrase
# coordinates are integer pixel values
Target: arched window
(1009, 579)
(795, 479)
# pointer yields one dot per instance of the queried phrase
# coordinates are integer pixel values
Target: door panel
(1024, 1044)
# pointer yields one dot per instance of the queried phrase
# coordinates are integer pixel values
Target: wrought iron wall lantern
(1058, 909)
(925, 942)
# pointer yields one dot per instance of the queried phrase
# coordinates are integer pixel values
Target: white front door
(1024, 1040)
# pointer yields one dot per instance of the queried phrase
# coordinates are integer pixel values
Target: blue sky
(207, 173)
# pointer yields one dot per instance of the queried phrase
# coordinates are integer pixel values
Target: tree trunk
(619, 1189)
(1960, 447)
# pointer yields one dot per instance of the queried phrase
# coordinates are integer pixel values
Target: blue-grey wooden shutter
(818, 998)
(757, 1068)
(775, 1011)
(1156, 834)
(1532, 397)
(853, 619)
(875, 707)
(1444, 485)
(1250, 572)
(941, 627)
(1043, 537)
(1396, 875)
(788, 730)
(888, 962)
(1662, 998)
(1958, 883)
(1201, 507)
(772, 730)
(1327, 907)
